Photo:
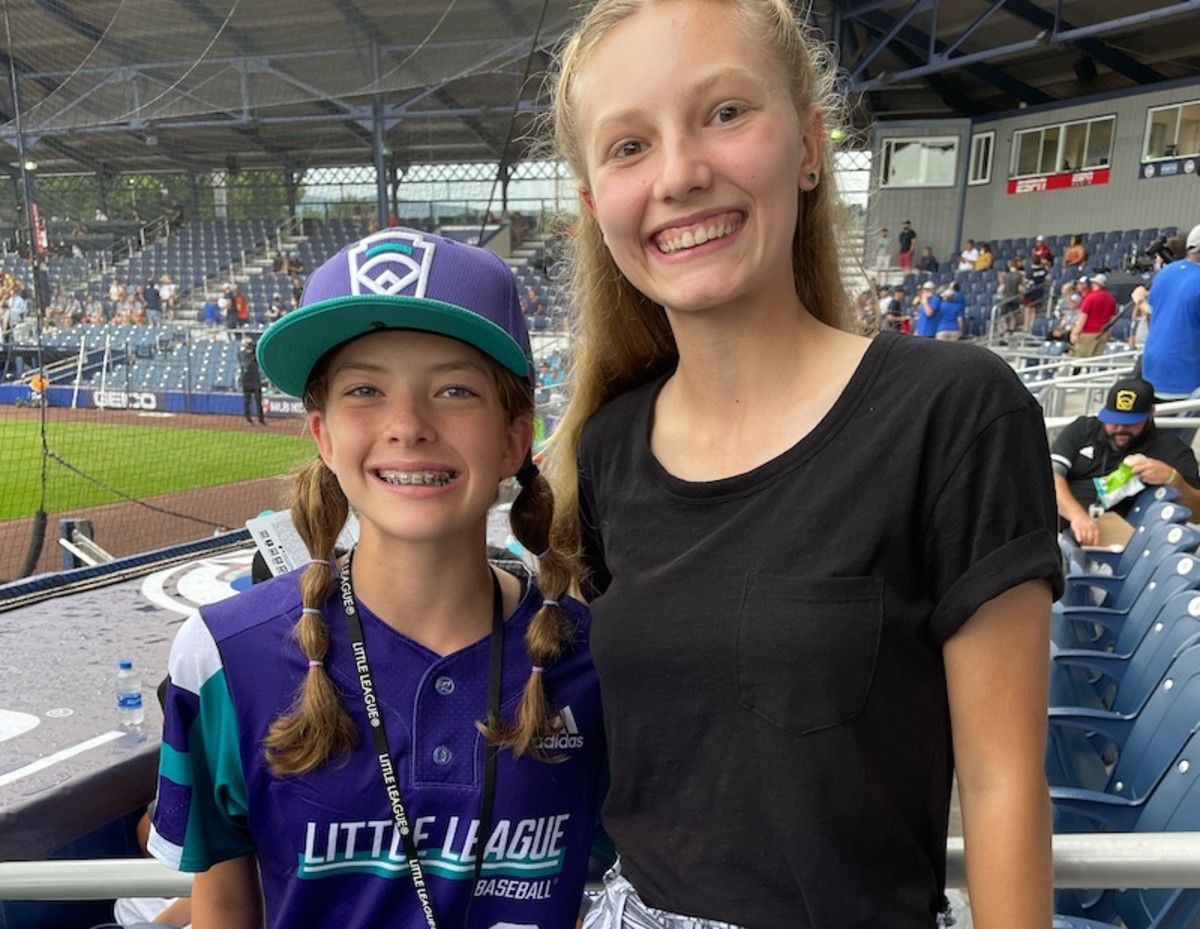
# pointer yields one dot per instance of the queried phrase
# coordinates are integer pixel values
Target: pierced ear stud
(812, 177)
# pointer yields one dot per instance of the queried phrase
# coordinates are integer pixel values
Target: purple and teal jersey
(326, 842)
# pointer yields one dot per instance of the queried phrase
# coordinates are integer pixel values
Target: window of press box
(1074, 146)
(1172, 131)
(983, 145)
(929, 162)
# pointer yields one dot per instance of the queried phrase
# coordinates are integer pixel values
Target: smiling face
(694, 156)
(414, 427)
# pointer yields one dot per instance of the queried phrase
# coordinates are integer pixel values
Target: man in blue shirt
(1171, 358)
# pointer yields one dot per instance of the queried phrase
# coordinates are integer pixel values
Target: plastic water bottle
(130, 712)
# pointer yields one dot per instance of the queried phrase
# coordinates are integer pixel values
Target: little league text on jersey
(526, 850)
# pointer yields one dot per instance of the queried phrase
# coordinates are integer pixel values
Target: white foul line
(42, 763)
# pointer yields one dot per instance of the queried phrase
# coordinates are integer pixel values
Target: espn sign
(1092, 177)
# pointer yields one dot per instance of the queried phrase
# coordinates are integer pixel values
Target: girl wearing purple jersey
(820, 566)
(369, 741)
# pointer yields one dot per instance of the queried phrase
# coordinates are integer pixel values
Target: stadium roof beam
(477, 128)
(943, 88)
(974, 64)
(356, 18)
(1101, 51)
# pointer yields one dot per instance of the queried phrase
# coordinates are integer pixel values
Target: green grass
(141, 461)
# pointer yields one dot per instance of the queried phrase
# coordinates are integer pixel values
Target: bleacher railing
(1144, 859)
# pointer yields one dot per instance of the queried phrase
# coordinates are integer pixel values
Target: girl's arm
(228, 896)
(996, 676)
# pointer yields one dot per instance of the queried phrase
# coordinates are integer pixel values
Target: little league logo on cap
(1125, 400)
(400, 279)
(399, 265)
(1129, 402)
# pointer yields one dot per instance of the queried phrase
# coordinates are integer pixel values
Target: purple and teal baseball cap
(400, 279)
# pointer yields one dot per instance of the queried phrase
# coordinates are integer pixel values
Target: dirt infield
(129, 528)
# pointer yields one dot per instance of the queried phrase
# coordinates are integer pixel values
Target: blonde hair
(317, 727)
(624, 338)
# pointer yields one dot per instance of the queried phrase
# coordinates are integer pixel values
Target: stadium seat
(1144, 734)
(1172, 806)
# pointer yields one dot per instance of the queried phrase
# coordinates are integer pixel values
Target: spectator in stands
(94, 310)
(883, 251)
(1035, 289)
(116, 294)
(929, 311)
(908, 241)
(1041, 250)
(276, 310)
(895, 311)
(14, 315)
(153, 300)
(169, 291)
(419, 408)
(1010, 284)
(986, 258)
(742, 411)
(278, 264)
(73, 311)
(968, 256)
(927, 263)
(212, 311)
(950, 317)
(229, 306)
(251, 378)
(1139, 318)
(1094, 446)
(1096, 313)
(1065, 312)
(1076, 254)
(295, 265)
(1172, 349)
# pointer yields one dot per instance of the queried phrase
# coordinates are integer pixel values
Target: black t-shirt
(769, 644)
(907, 237)
(1082, 453)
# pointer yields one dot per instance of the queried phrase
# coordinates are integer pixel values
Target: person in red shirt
(1091, 328)
(1042, 250)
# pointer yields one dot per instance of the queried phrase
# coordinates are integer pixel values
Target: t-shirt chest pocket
(806, 648)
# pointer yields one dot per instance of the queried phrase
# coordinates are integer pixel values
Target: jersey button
(444, 686)
(442, 755)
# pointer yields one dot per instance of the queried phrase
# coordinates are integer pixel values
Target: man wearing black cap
(1094, 446)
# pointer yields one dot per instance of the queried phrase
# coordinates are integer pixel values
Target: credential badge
(391, 264)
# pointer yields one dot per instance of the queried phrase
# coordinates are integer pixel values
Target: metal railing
(1142, 859)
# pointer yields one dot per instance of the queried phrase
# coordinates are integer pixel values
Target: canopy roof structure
(116, 86)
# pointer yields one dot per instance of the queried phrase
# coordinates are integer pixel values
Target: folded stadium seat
(1126, 622)
(1120, 333)
(1145, 742)
(1172, 806)
(1077, 676)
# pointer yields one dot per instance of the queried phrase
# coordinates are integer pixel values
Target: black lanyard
(387, 767)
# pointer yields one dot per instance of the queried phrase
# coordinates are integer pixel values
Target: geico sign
(125, 400)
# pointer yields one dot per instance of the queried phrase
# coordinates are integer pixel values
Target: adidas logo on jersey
(564, 734)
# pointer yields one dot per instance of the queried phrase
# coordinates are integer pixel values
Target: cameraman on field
(1171, 357)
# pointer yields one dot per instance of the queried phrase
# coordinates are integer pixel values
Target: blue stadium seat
(1083, 738)
(1172, 806)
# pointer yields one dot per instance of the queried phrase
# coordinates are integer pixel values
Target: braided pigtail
(549, 630)
(317, 727)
